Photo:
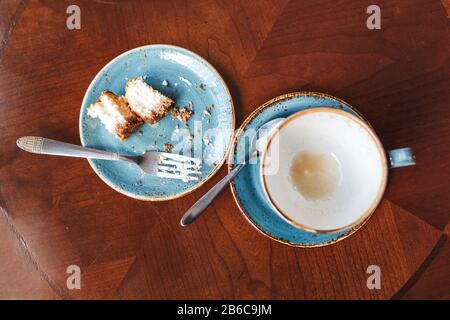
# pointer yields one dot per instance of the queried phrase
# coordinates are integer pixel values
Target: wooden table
(56, 212)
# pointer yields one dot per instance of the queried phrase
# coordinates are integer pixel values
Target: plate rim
(239, 132)
(225, 154)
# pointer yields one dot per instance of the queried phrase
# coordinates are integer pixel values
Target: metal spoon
(258, 144)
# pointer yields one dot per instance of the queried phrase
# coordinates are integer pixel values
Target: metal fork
(160, 164)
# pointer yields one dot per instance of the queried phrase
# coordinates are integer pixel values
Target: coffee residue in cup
(315, 175)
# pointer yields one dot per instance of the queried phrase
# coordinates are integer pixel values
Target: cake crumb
(207, 110)
(183, 114)
(168, 147)
(165, 83)
(175, 112)
(201, 86)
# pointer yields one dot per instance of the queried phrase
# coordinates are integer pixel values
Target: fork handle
(48, 146)
(204, 202)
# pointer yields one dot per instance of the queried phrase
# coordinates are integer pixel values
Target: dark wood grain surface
(56, 212)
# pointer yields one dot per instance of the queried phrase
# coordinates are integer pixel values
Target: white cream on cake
(108, 111)
(145, 101)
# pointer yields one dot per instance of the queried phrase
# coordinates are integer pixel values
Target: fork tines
(179, 157)
(177, 166)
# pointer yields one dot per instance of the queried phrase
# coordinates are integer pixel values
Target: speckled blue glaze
(184, 71)
(247, 185)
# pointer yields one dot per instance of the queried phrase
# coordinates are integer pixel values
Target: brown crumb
(183, 114)
(168, 147)
(201, 86)
(175, 112)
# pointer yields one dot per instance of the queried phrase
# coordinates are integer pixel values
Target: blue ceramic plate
(188, 80)
(247, 189)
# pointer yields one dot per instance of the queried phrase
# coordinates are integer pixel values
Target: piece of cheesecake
(148, 103)
(115, 114)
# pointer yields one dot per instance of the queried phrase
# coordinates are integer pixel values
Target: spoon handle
(204, 202)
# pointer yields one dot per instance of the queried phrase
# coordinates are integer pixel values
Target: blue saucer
(246, 187)
(189, 80)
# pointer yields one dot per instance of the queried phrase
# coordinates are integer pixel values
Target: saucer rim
(230, 160)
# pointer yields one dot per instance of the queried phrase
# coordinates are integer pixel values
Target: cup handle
(401, 157)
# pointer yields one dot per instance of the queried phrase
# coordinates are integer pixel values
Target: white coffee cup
(331, 170)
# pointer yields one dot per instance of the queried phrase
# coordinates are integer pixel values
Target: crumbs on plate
(167, 147)
(201, 86)
(182, 114)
